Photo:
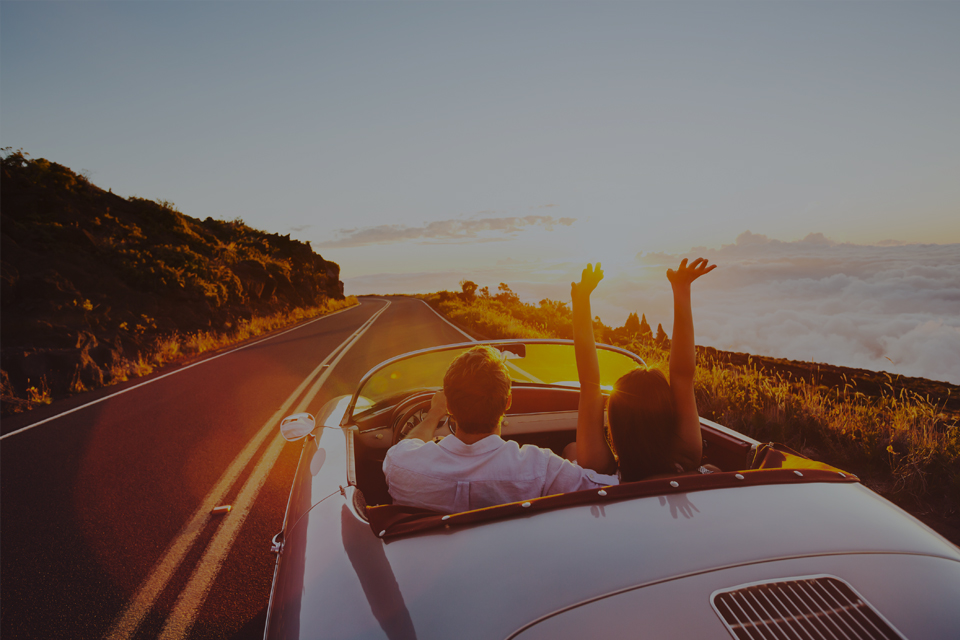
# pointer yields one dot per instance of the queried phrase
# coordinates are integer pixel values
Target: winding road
(106, 498)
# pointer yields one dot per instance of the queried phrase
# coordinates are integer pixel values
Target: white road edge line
(191, 599)
(161, 377)
(140, 604)
(509, 364)
(471, 338)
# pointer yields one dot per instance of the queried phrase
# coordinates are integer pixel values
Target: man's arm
(688, 447)
(592, 450)
(425, 430)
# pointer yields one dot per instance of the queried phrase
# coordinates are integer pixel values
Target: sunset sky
(811, 149)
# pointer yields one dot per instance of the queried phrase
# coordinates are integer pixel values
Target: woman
(654, 426)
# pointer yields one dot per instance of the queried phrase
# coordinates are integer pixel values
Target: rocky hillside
(89, 277)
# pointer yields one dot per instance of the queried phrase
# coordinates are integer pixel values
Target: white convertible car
(774, 546)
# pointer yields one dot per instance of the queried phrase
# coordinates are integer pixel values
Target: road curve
(105, 527)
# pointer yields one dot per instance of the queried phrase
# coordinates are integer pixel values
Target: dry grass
(40, 393)
(899, 436)
(175, 347)
(488, 318)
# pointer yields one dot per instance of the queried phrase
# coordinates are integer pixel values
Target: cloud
(445, 231)
(823, 301)
(300, 228)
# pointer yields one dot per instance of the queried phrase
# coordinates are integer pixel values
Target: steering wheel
(411, 412)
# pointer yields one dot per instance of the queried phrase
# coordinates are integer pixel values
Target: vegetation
(900, 440)
(97, 288)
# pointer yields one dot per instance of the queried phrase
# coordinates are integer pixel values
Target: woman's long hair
(642, 424)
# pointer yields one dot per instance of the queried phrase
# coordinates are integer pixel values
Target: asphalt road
(104, 525)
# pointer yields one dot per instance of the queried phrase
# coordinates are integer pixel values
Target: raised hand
(685, 274)
(588, 282)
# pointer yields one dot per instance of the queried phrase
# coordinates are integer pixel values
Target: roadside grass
(40, 393)
(490, 318)
(901, 443)
(176, 347)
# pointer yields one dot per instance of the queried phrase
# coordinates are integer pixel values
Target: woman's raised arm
(592, 450)
(688, 447)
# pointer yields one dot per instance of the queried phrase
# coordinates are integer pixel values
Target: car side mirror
(296, 426)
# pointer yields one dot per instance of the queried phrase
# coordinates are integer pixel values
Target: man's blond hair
(477, 387)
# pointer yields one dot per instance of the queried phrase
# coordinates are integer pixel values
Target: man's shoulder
(407, 444)
(410, 447)
(533, 451)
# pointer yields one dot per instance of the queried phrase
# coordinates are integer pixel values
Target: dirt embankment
(90, 279)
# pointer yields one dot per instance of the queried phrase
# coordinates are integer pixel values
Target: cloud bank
(445, 231)
(891, 307)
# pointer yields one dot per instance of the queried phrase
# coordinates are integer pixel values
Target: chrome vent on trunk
(808, 607)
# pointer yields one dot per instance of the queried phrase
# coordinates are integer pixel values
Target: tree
(661, 338)
(645, 333)
(469, 289)
(506, 296)
(632, 325)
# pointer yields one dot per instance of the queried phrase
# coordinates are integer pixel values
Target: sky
(811, 149)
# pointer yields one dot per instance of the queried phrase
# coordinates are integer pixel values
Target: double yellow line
(188, 604)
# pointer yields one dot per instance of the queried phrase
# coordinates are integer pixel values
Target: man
(476, 468)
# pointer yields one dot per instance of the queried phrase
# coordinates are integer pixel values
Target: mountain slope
(89, 277)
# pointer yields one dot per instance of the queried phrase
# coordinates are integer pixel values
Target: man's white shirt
(453, 477)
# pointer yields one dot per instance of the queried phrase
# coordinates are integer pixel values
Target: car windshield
(529, 362)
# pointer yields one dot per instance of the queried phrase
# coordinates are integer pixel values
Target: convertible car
(775, 545)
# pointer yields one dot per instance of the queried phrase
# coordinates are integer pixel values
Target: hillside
(91, 280)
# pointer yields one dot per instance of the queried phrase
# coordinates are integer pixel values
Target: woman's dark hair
(642, 424)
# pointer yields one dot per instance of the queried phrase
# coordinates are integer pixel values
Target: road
(104, 498)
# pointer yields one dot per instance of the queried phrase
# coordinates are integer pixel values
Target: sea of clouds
(892, 307)
(889, 308)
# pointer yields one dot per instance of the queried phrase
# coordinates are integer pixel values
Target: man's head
(477, 387)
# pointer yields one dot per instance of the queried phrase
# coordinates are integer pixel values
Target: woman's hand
(683, 362)
(684, 274)
(588, 282)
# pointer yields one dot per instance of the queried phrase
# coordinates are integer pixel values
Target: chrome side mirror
(297, 426)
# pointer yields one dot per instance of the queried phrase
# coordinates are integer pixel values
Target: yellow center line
(191, 599)
(188, 605)
(143, 600)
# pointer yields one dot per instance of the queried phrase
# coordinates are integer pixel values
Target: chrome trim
(730, 432)
(350, 433)
(371, 430)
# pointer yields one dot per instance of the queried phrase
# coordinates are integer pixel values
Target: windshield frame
(348, 417)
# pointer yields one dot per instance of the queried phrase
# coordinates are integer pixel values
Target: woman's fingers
(690, 272)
